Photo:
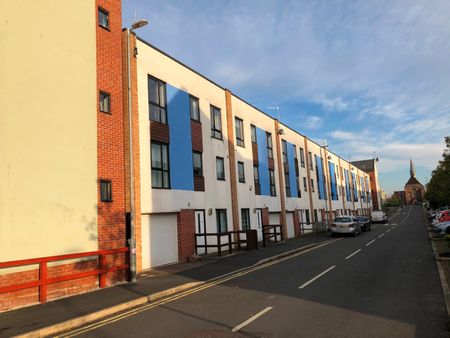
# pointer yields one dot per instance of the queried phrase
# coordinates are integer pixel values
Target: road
(383, 283)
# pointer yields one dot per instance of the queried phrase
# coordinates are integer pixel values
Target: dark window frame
(284, 151)
(272, 182)
(241, 164)
(239, 138)
(302, 157)
(105, 195)
(311, 165)
(305, 184)
(287, 184)
(254, 137)
(101, 97)
(269, 145)
(106, 13)
(197, 173)
(247, 218)
(215, 132)
(191, 99)
(221, 159)
(312, 185)
(221, 228)
(161, 106)
(162, 170)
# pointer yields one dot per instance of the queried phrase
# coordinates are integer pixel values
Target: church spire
(412, 172)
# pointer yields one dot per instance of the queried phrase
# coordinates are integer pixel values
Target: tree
(438, 190)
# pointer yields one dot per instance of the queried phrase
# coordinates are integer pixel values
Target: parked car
(444, 216)
(345, 225)
(442, 228)
(364, 222)
(379, 216)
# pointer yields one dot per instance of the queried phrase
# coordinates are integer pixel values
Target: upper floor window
(216, 122)
(273, 190)
(302, 157)
(287, 184)
(310, 161)
(198, 163)
(195, 109)
(284, 150)
(299, 189)
(105, 191)
(220, 168)
(160, 165)
(157, 100)
(241, 172)
(253, 132)
(103, 18)
(105, 102)
(269, 145)
(305, 186)
(239, 127)
(312, 185)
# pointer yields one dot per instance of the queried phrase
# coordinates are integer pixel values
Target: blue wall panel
(264, 180)
(180, 148)
(331, 169)
(291, 163)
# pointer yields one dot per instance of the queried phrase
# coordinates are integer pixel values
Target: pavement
(382, 283)
(54, 316)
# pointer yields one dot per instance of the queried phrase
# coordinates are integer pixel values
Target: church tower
(414, 190)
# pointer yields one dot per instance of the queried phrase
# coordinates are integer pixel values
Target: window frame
(302, 157)
(220, 159)
(287, 185)
(247, 218)
(240, 141)
(241, 164)
(108, 196)
(104, 94)
(216, 133)
(254, 137)
(191, 99)
(284, 151)
(269, 145)
(218, 220)
(305, 184)
(201, 163)
(312, 185)
(106, 13)
(162, 170)
(272, 183)
(161, 85)
(311, 165)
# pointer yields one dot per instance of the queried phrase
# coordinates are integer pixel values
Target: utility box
(252, 240)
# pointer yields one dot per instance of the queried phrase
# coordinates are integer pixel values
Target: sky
(371, 77)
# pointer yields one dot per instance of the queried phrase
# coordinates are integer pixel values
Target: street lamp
(132, 240)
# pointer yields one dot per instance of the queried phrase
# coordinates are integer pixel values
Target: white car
(345, 225)
(442, 228)
(379, 216)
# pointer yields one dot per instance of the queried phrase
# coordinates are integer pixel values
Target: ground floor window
(245, 219)
(221, 220)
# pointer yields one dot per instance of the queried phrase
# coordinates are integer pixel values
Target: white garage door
(159, 240)
(274, 218)
(290, 224)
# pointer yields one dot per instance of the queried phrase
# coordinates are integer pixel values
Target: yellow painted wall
(48, 128)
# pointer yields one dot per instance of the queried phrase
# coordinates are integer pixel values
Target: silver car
(345, 225)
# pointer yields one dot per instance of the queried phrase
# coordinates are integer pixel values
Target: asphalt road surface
(383, 283)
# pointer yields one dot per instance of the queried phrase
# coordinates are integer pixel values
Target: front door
(200, 228)
(259, 223)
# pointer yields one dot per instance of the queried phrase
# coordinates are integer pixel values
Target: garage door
(290, 225)
(159, 240)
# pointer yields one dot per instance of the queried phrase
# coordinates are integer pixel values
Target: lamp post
(132, 240)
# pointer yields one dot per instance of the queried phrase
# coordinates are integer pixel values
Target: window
(299, 190)
(216, 123)
(253, 132)
(302, 157)
(105, 102)
(305, 186)
(245, 219)
(287, 184)
(316, 218)
(337, 171)
(103, 18)
(198, 163)
(239, 127)
(241, 172)
(157, 100)
(105, 191)
(284, 150)
(312, 185)
(220, 168)
(310, 161)
(221, 220)
(308, 220)
(160, 165)
(273, 191)
(194, 107)
(269, 145)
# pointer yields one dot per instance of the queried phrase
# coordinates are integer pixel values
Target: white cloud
(313, 122)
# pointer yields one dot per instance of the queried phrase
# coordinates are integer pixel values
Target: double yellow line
(206, 285)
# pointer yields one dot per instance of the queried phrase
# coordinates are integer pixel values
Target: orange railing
(43, 280)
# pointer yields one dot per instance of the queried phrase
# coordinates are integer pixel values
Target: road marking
(388, 230)
(353, 254)
(219, 280)
(251, 319)
(367, 244)
(380, 235)
(317, 277)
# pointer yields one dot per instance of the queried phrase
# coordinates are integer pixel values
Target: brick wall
(186, 233)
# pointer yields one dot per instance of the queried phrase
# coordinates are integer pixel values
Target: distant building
(400, 195)
(369, 166)
(414, 190)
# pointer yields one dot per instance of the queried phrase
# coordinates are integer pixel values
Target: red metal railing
(43, 281)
